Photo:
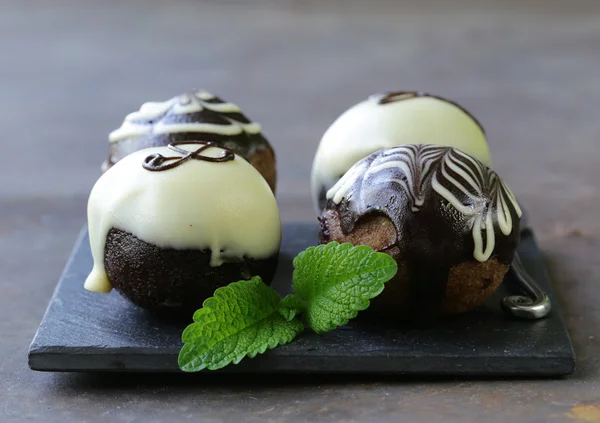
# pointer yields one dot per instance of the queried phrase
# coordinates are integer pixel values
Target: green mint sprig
(331, 284)
(337, 281)
(242, 319)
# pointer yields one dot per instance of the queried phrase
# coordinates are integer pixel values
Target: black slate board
(83, 331)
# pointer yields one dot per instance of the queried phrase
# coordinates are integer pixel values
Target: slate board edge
(52, 359)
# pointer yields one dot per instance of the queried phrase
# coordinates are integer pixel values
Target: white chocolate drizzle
(150, 119)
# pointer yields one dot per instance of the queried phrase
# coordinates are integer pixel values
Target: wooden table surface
(70, 70)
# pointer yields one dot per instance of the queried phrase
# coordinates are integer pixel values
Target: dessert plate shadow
(87, 332)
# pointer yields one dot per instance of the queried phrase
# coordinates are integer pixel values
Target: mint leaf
(332, 283)
(291, 306)
(241, 319)
(336, 281)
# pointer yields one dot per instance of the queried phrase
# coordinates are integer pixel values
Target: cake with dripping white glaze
(169, 225)
(193, 116)
(389, 120)
(448, 220)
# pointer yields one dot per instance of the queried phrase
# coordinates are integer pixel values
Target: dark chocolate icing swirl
(446, 206)
(189, 117)
(394, 96)
(157, 162)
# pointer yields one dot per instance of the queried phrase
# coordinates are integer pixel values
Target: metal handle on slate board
(535, 305)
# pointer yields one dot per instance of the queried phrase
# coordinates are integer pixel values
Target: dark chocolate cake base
(169, 281)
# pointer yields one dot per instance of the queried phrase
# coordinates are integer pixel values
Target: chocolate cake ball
(449, 221)
(193, 116)
(169, 225)
(389, 120)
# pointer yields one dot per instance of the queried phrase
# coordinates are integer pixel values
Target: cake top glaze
(193, 115)
(184, 196)
(438, 198)
(388, 120)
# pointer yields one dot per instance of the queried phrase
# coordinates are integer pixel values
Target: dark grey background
(70, 70)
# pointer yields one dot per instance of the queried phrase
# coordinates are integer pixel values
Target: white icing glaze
(134, 125)
(370, 126)
(226, 207)
(171, 128)
(485, 194)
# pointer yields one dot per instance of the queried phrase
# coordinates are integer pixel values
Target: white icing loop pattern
(149, 119)
(484, 195)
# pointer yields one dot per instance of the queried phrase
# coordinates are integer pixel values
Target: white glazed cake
(182, 198)
(389, 120)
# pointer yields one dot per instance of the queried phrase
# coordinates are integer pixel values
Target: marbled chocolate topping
(446, 206)
(192, 116)
(394, 96)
